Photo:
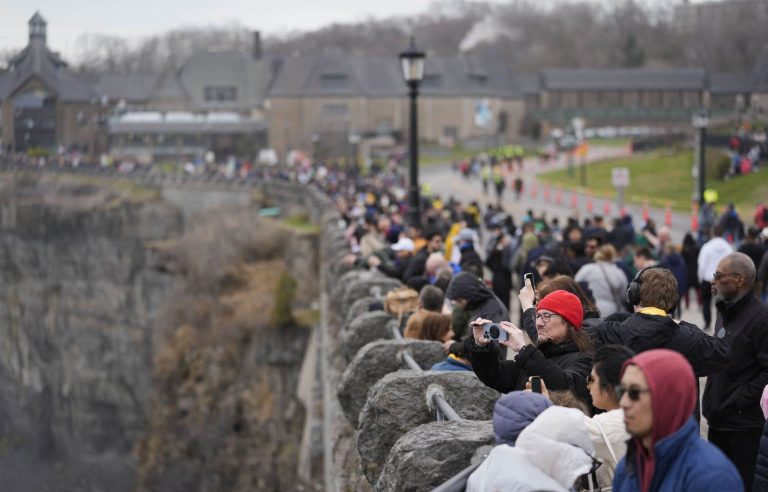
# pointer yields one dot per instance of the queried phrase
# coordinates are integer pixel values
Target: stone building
(215, 101)
(333, 99)
(43, 103)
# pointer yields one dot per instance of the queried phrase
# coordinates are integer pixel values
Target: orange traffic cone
(646, 211)
(590, 205)
(559, 196)
(695, 217)
(668, 215)
(574, 201)
(606, 208)
(546, 193)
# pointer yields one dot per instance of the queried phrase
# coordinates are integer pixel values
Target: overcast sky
(68, 19)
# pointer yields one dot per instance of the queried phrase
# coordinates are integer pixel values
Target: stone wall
(380, 429)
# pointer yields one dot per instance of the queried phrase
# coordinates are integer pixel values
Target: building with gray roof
(43, 102)
(334, 99)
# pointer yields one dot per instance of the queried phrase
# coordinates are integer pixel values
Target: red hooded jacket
(672, 386)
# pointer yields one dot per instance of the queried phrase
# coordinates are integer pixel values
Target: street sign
(620, 177)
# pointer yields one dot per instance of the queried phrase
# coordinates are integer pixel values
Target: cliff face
(137, 355)
(79, 296)
(225, 415)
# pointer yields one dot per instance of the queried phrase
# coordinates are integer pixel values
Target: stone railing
(375, 420)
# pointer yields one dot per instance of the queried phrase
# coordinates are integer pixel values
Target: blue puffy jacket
(684, 462)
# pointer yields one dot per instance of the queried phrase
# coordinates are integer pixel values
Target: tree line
(525, 34)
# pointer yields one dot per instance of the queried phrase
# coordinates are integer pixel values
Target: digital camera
(493, 331)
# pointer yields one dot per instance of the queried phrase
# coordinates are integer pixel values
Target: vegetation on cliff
(224, 414)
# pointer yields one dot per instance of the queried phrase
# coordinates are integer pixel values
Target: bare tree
(523, 34)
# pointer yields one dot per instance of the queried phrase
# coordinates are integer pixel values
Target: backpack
(401, 301)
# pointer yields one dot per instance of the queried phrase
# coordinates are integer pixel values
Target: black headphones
(633, 289)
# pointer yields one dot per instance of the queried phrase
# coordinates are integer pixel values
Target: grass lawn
(300, 223)
(609, 142)
(665, 176)
(457, 154)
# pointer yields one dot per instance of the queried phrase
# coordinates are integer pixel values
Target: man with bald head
(732, 398)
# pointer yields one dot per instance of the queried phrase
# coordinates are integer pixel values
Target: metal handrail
(435, 399)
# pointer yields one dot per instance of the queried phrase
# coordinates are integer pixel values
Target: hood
(646, 331)
(467, 286)
(514, 411)
(668, 373)
(558, 443)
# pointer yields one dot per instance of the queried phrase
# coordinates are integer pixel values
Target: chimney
(256, 45)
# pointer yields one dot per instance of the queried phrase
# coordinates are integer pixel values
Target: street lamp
(412, 62)
(700, 122)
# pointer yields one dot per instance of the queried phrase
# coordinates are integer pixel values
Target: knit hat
(566, 305)
(514, 411)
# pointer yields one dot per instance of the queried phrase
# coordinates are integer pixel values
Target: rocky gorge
(146, 348)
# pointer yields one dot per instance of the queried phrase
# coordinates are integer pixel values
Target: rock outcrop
(432, 453)
(367, 328)
(376, 360)
(397, 404)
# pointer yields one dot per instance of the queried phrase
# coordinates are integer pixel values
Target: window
(590, 99)
(630, 99)
(432, 80)
(478, 80)
(216, 93)
(333, 81)
(335, 109)
(673, 99)
(691, 99)
(569, 99)
(652, 99)
(383, 126)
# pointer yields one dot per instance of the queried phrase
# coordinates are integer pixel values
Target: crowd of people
(597, 325)
(595, 328)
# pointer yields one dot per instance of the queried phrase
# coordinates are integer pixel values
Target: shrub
(282, 310)
(718, 165)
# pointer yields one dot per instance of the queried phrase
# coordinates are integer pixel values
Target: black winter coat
(416, 265)
(732, 398)
(640, 332)
(761, 469)
(561, 366)
(481, 301)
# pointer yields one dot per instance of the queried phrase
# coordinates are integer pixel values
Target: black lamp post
(412, 62)
(701, 122)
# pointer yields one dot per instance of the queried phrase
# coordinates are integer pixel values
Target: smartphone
(529, 276)
(536, 384)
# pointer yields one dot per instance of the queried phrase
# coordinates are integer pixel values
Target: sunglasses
(632, 393)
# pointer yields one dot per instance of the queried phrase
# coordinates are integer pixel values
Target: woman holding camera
(562, 356)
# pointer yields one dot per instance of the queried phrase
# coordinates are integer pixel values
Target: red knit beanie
(566, 305)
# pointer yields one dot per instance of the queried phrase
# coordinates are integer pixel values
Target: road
(555, 202)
